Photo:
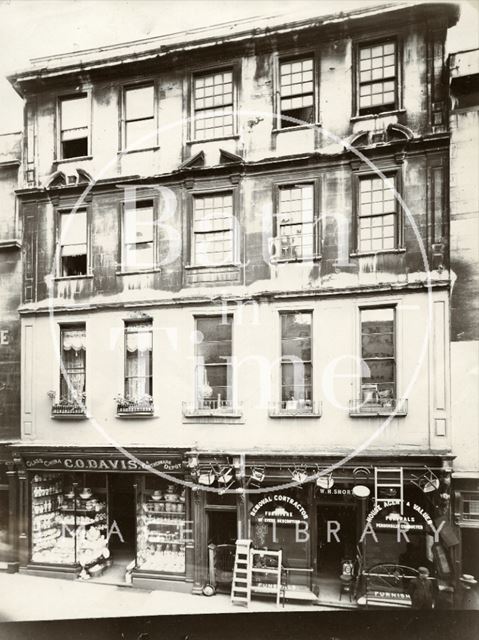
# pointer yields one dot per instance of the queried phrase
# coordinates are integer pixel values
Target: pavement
(34, 598)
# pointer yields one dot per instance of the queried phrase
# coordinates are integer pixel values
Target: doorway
(221, 536)
(122, 523)
(333, 549)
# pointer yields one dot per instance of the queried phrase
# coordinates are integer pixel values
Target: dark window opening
(74, 148)
(73, 266)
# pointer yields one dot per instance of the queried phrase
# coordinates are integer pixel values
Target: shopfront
(104, 516)
(466, 515)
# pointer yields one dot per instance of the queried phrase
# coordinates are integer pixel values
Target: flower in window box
(52, 394)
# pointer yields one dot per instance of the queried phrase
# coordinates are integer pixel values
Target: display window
(69, 520)
(161, 526)
(281, 521)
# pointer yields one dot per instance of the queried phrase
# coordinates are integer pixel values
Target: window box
(377, 407)
(295, 409)
(69, 410)
(134, 408)
(207, 408)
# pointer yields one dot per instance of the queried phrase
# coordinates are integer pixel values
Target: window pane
(139, 255)
(375, 64)
(296, 325)
(74, 112)
(139, 103)
(215, 328)
(138, 223)
(379, 371)
(140, 134)
(212, 229)
(295, 221)
(299, 348)
(296, 382)
(72, 379)
(296, 355)
(73, 228)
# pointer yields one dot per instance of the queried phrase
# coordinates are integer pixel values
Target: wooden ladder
(389, 478)
(241, 586)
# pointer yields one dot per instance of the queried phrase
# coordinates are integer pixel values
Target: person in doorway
(421, 590)
(466, 596)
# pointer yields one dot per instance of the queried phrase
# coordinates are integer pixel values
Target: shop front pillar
(190, 539)
(23, 519)
(13, 514)
(200, 551)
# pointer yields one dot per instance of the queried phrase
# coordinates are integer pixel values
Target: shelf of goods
(57, 520)
(161, 536)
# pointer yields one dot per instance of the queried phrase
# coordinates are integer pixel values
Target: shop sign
(390, 595)
(279, 508)
(335, 491)
(101, 464)
(383, 519)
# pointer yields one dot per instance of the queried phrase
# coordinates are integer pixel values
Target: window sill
(295, 260)
(10, 244)
(77, 159)
(142, 415)
(87, 276)
(74, 415)
(213, 418)
(233, 265)
(299, 127)
(135, 272)
(381, 114)
(380, 413)
(294, 414)
(125, 152)
(396, 408)
(202, 140)
(282, 410)
(361, 254)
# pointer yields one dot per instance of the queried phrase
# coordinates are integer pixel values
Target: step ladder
(265, 569)
(241, 585)
(389, 478)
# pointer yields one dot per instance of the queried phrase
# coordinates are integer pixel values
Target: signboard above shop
(103, 462)
(280, 508)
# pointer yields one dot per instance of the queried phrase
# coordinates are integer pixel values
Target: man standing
(421, 590)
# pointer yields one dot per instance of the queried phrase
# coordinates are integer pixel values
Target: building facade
(464, 72)
(10, 286)
(236, 274)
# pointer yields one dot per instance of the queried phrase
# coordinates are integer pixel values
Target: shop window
(296, 361)
(377, 78)
(69, 522)
(378, 356)
(161, 527)
(74, 126)
(73, 375)
(139, 117)
(296, 92)
(295, 226)
(377, 215)
(213, 105)
(138, 236)
(213, 363)
(213, 229)
(73, 243)
(470, 506)
(138, 390)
